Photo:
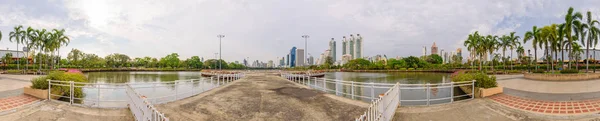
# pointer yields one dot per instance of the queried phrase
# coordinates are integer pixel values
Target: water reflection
(408, 93)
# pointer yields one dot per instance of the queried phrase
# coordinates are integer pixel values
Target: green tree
(358, 64)
(194, 62)
(412, 62)
(395, 64)
(171, 60)
(570, 20)
(434, 59)
(534, 36)
(17, 36)
(75, 57)
(592, 39)
(8, 58)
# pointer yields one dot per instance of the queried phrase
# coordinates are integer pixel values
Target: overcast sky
(267, 29)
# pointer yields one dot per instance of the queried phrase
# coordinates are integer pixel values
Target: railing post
(372, 91)
(218, 80)
(473, 89)
(428, 96)
(49, 89)
(71, 92)
(352, 89)
(211, 82)
(335, 87)
(324, 84)
(193, 87)
(98, 100)
(451, 92)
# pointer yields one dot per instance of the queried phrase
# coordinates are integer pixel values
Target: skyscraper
(332, 47)
(300, 57)
(358, 45)
(292, 57)
(434, 49)
(351, 46)
(344, 46)
(311, 60)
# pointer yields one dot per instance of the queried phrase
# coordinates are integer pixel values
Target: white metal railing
(141, 109)
(337, 87)
(68, 89)
(384, 107)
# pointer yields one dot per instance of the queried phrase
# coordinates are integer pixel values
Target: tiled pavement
(549, 107)
(14, 102)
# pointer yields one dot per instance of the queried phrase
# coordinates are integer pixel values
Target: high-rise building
(270, 64)
(332, 47)
(424, 50)
(358, 46)
(346, 58)
(351, 46)
(300, 57)
(459, 52)
(344, 46)
(287, 60)
(442, 55)
(434, 49)
(311, 60)
(282, 62)
(293, 56)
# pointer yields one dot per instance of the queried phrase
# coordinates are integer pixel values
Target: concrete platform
(259, 97)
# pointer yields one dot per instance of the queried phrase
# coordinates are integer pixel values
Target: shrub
(538, 71)
(482, 79)
(569, 71)
(62, 76)
(39, 83)
(14, 71)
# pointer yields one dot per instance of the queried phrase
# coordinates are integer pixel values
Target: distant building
(311, 60)
(292, 58)
(300, 57)
(346, 58)
(332, 48)
(344, 46)
(424, 50)
(351, 46)
(434, 49)
(358, 47)
(270, 64)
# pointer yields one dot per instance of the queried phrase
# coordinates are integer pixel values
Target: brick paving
(549, 107)
(13, 102)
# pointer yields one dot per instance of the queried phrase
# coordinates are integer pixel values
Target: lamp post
(220, 36)
(305, 46)
(529, 65)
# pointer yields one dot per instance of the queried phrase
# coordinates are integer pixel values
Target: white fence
(383, 108)
(141, 109)
(368, 90)
(175, 90)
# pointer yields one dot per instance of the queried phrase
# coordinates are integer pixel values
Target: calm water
(392, 78)
(114, 97)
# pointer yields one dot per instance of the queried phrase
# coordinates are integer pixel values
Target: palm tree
(504, 43)
(580, 31)
(533, 35)
(577, 51)
(29, 34)
(514, 40)
(472, 44)
(592, 29)
(40, 37)
(490, 43)
(17, 35)
(520, 52)
(61, 39)
(570, 18)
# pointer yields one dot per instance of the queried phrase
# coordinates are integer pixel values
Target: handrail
(70, 86)
(321, 84)
(141, 109)
(384, 107)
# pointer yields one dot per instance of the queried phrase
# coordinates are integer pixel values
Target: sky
(268, 29)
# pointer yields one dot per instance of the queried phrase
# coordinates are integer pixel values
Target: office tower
(293, 57)
(351, 46)
(344, 46)
(300, 57)
(459, 52)
(434, 49)
(424, 50)
(332, 47)
(358, 45)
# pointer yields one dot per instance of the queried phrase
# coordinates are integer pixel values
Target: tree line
(576, 34)
(46, 43)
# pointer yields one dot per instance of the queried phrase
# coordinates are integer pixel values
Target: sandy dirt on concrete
(261, 97)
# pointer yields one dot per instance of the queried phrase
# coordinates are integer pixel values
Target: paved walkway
(12, 85)
(53, 111)
(260, 97)
(11, 103)
(517, 85)
(549, 107)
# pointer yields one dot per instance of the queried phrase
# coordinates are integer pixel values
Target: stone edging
(562, 77)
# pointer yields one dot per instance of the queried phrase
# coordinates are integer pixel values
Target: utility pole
(220, 36)
(305, 47)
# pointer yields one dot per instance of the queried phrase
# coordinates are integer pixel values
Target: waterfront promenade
(260, 96)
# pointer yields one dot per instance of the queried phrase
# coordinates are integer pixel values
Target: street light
(305, 46)
(220, 36)
(529, 65)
